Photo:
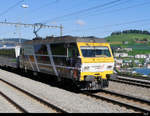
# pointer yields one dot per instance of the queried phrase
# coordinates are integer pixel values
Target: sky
(78, 17)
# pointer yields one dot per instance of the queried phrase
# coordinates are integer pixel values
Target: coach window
(59, 49)
(40, 49)
(21, 51)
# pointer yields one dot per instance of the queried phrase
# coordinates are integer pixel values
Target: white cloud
(80, 22)
(54, 22)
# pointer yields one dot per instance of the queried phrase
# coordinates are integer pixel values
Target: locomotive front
(97, 64)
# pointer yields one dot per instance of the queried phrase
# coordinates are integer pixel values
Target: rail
(127, 101)
(52, 106)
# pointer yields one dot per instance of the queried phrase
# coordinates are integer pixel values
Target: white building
(136, 61)
(148, 65)
(121, 54)
(128, 49)
(148, 55)
(118, 61)
(140, 56)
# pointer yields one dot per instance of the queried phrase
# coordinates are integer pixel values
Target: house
(128, 49)
(118, 61)
(118, 66)
(147, 59)
(127, 61)
(121, 54)
(141, 41)
(125, 42)
(148, 55)
(140, 56)
(148, 65)
(130, 56)
(136, 61)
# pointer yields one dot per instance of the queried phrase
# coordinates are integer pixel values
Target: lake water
(144, 71)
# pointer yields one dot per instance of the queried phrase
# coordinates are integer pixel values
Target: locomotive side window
(40, 49)
(43, 59)
(58, 49)
(73, 51)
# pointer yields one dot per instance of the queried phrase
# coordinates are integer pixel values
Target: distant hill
(11, 41)
(131, 31)
(129, 39)
(139, 42)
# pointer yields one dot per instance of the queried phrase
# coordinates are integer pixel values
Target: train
(88, 62)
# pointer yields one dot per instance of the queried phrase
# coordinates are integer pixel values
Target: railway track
(140, 78)
(129, 102)
(137, 104)
(12, 102)
(48, 107)
(131, 81)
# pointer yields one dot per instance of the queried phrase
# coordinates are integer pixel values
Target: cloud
(54, 23)
(80, 22)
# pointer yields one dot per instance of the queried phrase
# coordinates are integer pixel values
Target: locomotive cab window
(95, 51)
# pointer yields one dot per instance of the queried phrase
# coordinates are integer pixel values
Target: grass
(138, 48)
(127, 37)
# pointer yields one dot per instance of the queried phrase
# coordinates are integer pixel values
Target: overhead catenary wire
(32, 25)
(44, 6)
(96, 10)
(117, 24)
(11, 7)
(112, 25)
(120, 9)
(81, 11)
(36, 26)
(111, 11)
(87, 10)
(35, 10)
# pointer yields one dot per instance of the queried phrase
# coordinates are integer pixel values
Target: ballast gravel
(68, 101)
(6, 107)
(132, 90)
(24, 101)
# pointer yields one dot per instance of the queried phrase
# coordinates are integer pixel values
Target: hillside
(139, 42)
(10, 41)
(130, 38)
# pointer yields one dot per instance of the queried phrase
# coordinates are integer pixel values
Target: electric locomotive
(88, 62)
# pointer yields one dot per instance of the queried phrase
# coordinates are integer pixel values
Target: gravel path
(130, 90)
(69, 101)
